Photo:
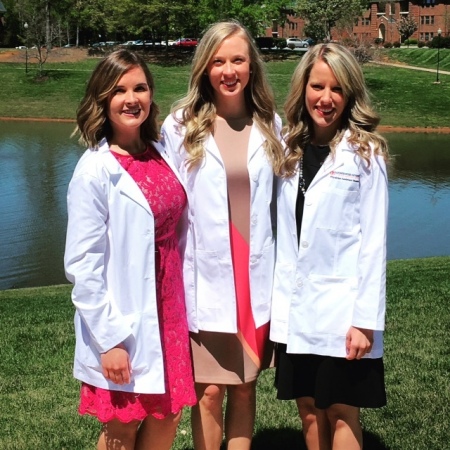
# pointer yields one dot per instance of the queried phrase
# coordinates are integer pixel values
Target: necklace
(301, 179)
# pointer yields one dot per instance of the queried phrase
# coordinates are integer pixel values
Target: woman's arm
(370, 305)
(85, 262)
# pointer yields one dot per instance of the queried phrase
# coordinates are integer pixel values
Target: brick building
(380, 21)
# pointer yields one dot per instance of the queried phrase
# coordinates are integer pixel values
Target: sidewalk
(405, 66)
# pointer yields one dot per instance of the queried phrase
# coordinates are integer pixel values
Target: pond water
(37, 160)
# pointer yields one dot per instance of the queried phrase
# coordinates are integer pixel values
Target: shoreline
(380, 128)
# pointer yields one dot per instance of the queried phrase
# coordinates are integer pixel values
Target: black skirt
(329, 380)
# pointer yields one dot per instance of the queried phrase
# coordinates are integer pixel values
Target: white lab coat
(109, 258)
(208, 269)
(336, 277)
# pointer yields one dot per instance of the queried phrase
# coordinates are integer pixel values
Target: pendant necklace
(301, 180)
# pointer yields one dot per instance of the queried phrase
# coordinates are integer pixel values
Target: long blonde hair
(198, 108)
(92, 119)
(358, 116)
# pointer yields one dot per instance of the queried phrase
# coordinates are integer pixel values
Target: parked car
(98, 44)
(21, 47)
(297, 43)
(185, 42)
(128, 44)
(169, 43)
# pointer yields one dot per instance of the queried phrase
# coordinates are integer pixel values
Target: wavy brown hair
(198, 108)
(358, 116)
(92, 119)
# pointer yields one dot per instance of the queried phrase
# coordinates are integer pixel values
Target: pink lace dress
(167, 199)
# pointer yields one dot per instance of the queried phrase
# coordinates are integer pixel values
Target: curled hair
(198, 108)
(358, 116)
(93, 123)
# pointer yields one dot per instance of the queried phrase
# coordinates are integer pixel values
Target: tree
(322, 15)
(36, 15)
(406, 27)
(256, 15)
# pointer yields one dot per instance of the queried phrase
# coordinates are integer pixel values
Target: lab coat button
(299, 283)
(305, 244)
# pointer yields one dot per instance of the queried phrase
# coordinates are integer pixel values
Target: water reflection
(37, 161)
(419, 195)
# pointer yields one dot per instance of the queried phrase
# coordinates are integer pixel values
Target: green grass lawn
(39, 397)
(403, 97)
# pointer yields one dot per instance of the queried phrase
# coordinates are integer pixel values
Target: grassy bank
(403, 97)
(39, 396)
(421, 57)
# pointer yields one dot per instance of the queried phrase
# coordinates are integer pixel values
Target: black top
(313, 158)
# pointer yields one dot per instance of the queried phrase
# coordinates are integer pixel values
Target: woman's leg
(207, 416)
(117, 435)
(240, 415)
(157, 434)
(345, 427)
(315, 425)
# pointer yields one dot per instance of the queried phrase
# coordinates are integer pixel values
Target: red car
(186, 42)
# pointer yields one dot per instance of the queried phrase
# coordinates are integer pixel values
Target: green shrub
(410, 42)
(378, 41)
(279, 42)
(396, 44)
(387, 45)
(264, 42)
(421, 44)
(439, 41)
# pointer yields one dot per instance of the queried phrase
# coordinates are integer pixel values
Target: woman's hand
(116, 365)
(358, 342)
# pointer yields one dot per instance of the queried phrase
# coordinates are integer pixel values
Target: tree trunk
(48, 37)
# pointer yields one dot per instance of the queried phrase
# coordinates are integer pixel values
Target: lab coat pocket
(212, 283)
(333, 305)
(337, 210)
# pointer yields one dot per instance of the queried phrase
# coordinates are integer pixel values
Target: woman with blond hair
(328, 303)
(132, 343)
(224, 137)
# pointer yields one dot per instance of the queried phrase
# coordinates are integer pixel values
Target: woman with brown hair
(132, 347)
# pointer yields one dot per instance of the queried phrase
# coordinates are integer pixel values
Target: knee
(115, 432)
(210, 395)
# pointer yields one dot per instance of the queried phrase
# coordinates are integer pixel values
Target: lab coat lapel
(256, 140)
(161, 150)
(121, 179)
(212, 148)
